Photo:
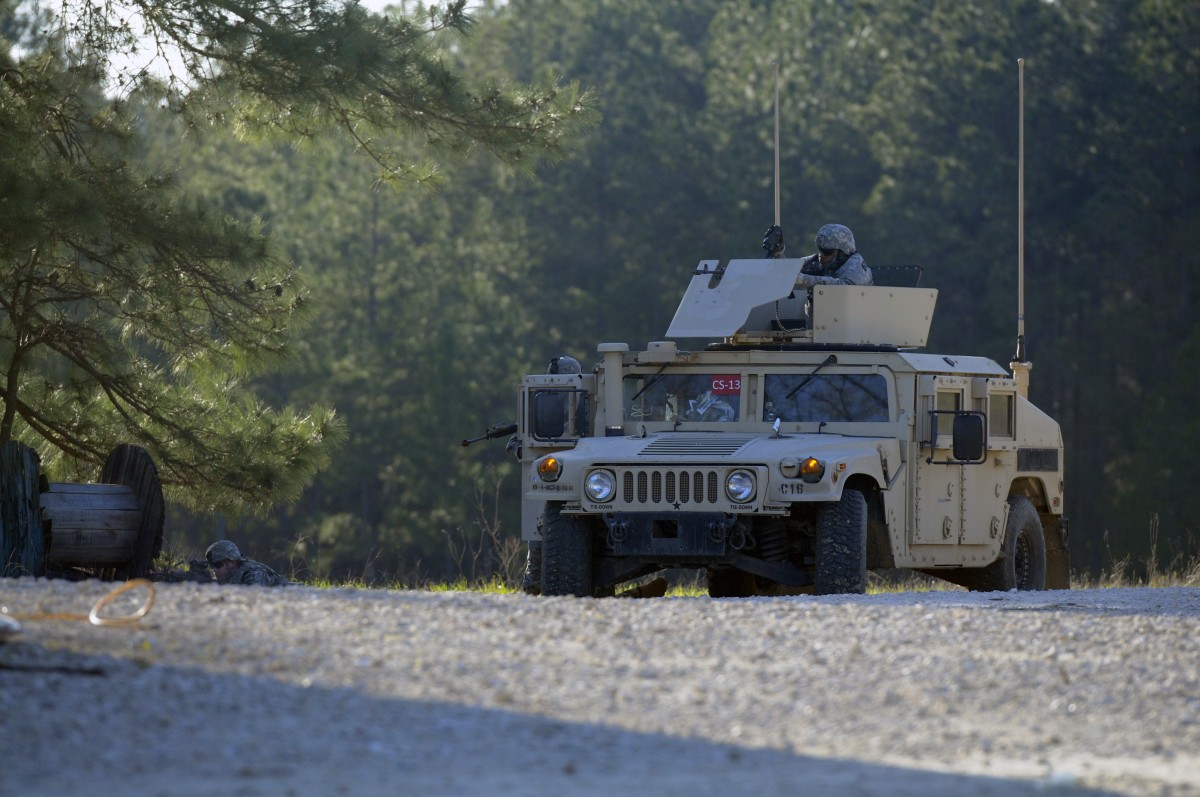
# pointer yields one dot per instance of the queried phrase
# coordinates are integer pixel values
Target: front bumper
(666, 536)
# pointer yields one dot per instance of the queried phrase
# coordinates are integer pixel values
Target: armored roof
(953, 364)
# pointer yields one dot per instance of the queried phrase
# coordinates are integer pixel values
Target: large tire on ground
(567, 542)
(1022, 562)
(842, 546)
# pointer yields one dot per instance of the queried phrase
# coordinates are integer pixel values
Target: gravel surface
(299, 691)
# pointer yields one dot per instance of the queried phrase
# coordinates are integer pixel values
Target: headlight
(600, 486)
(739, 486)
(811, 470)
(549, 469)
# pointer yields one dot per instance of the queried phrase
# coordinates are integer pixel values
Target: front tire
(567, 542)
(842, 546)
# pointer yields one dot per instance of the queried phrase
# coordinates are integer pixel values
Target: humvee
(801, 442)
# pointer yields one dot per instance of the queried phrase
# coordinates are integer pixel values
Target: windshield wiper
(649, 383)
(830, 360)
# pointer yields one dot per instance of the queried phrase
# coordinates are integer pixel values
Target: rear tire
(567, 542)
(842, 546)
(1022, 562)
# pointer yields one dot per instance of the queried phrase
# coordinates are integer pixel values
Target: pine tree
(131, 312)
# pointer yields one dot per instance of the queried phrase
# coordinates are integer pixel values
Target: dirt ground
(299, 691)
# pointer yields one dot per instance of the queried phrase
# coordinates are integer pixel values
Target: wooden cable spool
(113, 528)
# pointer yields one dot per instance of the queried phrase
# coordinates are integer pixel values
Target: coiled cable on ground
(94, 617)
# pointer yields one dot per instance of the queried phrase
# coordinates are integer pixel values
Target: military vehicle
(790, 451)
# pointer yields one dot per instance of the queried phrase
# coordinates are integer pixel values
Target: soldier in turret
(837, 261)
(230, 567)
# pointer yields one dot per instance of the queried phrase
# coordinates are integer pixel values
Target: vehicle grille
(669, 487)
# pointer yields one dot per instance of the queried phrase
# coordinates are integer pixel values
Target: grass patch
(894, 581)
(682, 583)
(494, 585)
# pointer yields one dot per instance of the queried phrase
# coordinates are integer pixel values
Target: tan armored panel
(718, 301)
(857, 315)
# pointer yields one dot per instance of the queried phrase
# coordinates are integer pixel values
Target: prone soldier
(230, 567)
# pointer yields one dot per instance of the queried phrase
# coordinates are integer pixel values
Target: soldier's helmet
(836, 236)
(222, 551)
(564, 365)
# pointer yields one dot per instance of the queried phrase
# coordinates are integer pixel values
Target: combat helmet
(836, 236)
(222, 551)
(564, 365)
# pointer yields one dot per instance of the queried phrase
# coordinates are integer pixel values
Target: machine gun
(494, 431)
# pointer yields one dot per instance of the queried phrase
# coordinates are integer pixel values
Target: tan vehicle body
(707, 458)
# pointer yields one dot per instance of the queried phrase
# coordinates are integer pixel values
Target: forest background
(899, 119)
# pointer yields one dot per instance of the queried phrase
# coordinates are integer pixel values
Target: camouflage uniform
(247, 571)
(252, 572)
(848, 268)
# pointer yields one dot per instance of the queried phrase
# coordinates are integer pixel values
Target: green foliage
(637, 208)
(295, 69)
(130, 312)
(417, 337)
(135, 312)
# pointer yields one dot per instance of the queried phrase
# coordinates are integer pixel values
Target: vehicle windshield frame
(707, 395)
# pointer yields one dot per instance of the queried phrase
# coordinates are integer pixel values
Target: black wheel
(567, 542)
(842, 546)
(1022, 562)
(729, 582)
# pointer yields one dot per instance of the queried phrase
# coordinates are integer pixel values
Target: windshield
(683, 397)
(826, 397)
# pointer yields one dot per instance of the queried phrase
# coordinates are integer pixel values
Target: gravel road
(299, 691)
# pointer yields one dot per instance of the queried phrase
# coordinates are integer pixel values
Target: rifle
(494, 431)
(198, 571)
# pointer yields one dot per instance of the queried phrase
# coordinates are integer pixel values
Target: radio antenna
(1020, 366)
(773, 240)
(777, 213)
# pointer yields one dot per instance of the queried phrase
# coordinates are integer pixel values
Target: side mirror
(970, 437)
